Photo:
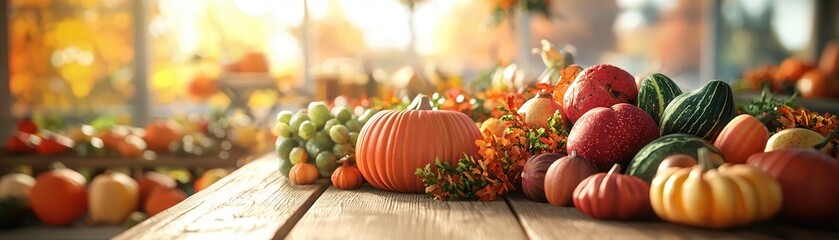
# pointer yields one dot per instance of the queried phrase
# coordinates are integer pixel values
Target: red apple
(607, 136)
(54, 145)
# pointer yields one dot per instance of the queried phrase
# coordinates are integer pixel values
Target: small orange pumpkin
(347, 177)
(59, 197)
(742, 137)
(613, 196)
(152, 181)
(303, 173)
(393, 144)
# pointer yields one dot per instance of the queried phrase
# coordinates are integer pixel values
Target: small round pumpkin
(564, 175)
(303, 173)
(394, 143)
(742, 137)
(59, 197)
(347, 177)
(613, 196)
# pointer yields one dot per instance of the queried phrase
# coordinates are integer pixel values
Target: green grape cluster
(318, 135)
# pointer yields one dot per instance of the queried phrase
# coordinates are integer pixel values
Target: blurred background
(133, 61)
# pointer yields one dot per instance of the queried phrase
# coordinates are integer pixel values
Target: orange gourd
(393, 144)
(347, 177)
(59, 197)
(742, 137)
(303, 173)
(564, 175)
(613, 196)
(162, 199)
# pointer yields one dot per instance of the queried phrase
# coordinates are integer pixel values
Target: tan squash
(112, 197)
(733, 195)
(393, 144)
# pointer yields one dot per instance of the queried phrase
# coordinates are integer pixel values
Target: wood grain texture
(544, 221)
(254, 202)
(368, 213)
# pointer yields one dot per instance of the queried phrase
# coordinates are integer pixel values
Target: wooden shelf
(232, 159)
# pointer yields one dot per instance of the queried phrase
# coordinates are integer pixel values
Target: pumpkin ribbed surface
(393, 144)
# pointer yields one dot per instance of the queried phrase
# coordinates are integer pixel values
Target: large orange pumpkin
(59, 197)
(394, 143)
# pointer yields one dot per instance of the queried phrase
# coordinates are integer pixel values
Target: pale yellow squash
(112, 197)
(732, 195)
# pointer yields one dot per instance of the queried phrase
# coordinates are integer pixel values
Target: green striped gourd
(645, 163)
(702, 112)
(655, 93)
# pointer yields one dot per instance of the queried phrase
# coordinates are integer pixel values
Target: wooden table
(257, 202)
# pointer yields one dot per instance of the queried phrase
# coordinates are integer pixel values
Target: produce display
(690, 158)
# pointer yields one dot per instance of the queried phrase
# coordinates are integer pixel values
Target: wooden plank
(5, 93)
(368, 213)
(544, 221)
(251, 203)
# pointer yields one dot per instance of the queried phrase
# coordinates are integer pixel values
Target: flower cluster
(497, 168)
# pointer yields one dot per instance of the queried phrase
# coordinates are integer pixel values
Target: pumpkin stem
(421, 102)
(703, 158)
(827, 139)
(615, 168)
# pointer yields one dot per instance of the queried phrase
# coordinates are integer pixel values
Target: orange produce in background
(59, 197)
(251, 62)
(817, 84)
(202, 87)
(160, 134)
(162, 199)
(152, 181)
(209, 177)
(792, 69)
(829, 62)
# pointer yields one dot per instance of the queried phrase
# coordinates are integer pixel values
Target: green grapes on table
(296, 120)
(284, 146)
(282, 129)
(353, 125)
(342, 113)
(297, 155)
(319, 114)
(367, 115)
(353, 138)
(326, 163)
(284, 116)
(319, 135)
(329, 124)
(285, 167)
(339, 134)
(307, 130)
(342, 150)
